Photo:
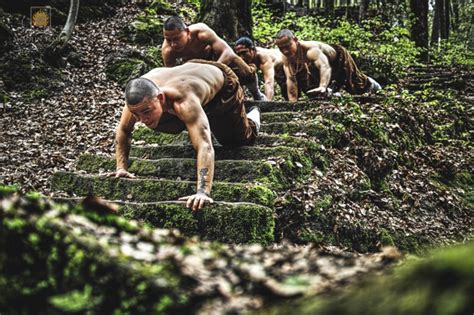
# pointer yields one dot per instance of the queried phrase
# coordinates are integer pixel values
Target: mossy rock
(223, 222)
(151, 190)
(126, 65)
(327, 132)
(147, 135)
(147, 28)
(274, 175)
(440, 284)
(33, 81)
(58, 259)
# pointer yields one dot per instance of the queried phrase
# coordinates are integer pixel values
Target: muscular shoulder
(264, 57)
(202, 32)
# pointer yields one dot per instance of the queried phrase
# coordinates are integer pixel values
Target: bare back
(204, 81)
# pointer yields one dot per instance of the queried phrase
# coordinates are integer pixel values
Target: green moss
(149, 136)
(250, 223)
(8, 190)
(123, 70)
(149, 190)
(4, 96)
(227, 170)
(75, 301)
(385, 238)
(461, 182)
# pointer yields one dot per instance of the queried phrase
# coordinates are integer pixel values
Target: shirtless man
(269, 61)
(200, 96)
(310, 67)
(199, 41)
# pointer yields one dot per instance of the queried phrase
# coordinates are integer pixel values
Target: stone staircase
(439, 77)
(247, 179)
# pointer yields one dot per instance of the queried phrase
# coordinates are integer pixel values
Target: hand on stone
(197, 201)
(121, 173)
(320, 91)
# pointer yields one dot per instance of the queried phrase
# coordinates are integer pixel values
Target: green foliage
(452, 52)
(266, 24)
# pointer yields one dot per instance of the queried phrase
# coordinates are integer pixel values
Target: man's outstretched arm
(200, 135)
(291, 83)
(123, 138)
(269, 78)
(169, 60)
(321, 62)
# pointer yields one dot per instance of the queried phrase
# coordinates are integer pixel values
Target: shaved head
(285, 33)
(137, 90)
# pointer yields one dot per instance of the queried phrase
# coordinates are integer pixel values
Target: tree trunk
(442, 18)
(419, 31)
(447, 24)
(435, 32)
(455, 15)
(229, 19)
(57, 47)
(363, 6)
(329, 7)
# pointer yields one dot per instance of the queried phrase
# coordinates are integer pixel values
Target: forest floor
(43, 130)
(78, 114)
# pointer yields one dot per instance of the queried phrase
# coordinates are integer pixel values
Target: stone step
(227, 222)
(429, 75)
(285, 106)
(322, 128)
(152, 190)
(272, 117)
(302, 148)
(276, 175)
(458, 85)
(143, 135)
(328, 132)
(237, 222)
(221, 153)
(438, 81)
(431, 68)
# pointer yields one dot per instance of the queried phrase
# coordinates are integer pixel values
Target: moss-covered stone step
(308, 105)
(226, 222)
(266, 146)
(284, 106)
(146, 135)
(271, 117)
(151, 190)
(328, 132)
(438, 81)
(221, 153)
(274, 174)
(143, 135)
